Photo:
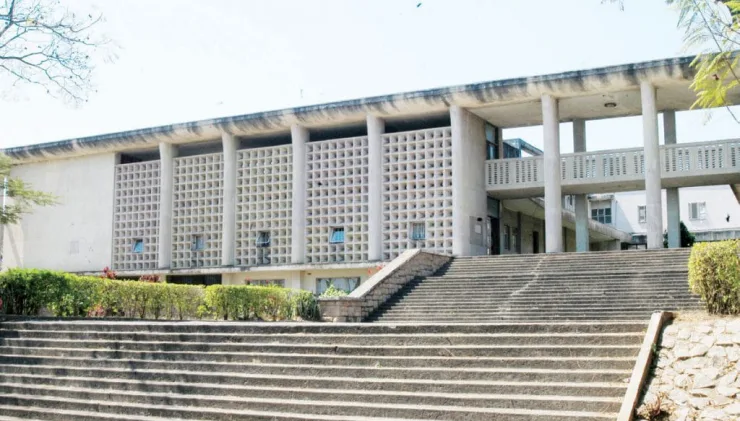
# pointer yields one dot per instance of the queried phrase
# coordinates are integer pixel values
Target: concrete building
(325, 194)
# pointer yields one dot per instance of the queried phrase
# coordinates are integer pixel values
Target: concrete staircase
(568, 286)
(117, 370)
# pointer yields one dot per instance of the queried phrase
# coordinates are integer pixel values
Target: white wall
(469, 198)
(297, 279)
(720, 202)
(76, 234)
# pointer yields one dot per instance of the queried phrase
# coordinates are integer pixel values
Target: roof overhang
(505, 103)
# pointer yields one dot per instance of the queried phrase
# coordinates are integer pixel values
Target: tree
(687, 238)
(711, 27)
(19, 198)
(44, 44)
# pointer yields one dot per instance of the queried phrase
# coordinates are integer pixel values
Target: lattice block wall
(264, 204)
(417, 188)
(136, 216)
(197, 210)
(336, 197)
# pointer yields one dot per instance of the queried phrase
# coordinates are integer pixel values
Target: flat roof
(505, 103)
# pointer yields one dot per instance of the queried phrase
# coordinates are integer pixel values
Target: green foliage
(26, 291)
(334, 292)
(687, 239)
(21, 198)
(714, 274)
(247, 302)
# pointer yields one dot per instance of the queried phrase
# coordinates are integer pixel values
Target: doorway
(535, 242)
(495, 236)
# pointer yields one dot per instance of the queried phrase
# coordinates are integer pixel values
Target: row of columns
(654, 205)
(300, 137)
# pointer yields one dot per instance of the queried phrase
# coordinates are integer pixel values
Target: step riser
(388, 386)
(194, 413)
(427, 362)
(348, 340)
(294, 394)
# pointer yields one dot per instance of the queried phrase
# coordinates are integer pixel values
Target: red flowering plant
(149, 278)
(108, 273)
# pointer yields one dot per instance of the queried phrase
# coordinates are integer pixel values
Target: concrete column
(552, 176)
(300, 137)
(519, 235)
(228, 232)
(654, 202)
(375, 130)
(167, 154)
(469, 199)
(581, 200)
(673, 200)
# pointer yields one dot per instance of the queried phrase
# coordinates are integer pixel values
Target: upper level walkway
(682, 165)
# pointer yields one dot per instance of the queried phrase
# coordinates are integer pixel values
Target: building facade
(321, 195)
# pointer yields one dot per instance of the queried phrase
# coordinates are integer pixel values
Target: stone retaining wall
(697, 376)
(380, 287)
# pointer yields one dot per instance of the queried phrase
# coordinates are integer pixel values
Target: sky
(184, 60)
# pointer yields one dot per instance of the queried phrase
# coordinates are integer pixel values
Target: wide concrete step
(368, 350)
(309, 329)
(217, 396)
(293, 409)
(433, 339)
(596, 307)
(323, 371)
(623, 363)
(492, 384)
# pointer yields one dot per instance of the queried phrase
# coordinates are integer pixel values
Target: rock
(733, 354)
(733, 409)
(717, 351)
(679, 397)
(697, 337)
(668, 342)
(733, 327)
(713, 414)
(727, 391)
(708, 341)
(720, 363)
(683, 414)
(683, 352)
(728, 379)
(736, 338)
(707, 378)
(670, 330)
(682, 381)
(704, 328)
(725, 340)
(685, 333)
(703, 392)
(699, 403)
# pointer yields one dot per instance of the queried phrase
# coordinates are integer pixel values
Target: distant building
(313, 196)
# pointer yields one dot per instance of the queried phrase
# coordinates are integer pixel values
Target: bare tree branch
(44, 44)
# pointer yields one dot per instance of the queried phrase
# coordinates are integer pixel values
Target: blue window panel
(337, 236)
(138, 246)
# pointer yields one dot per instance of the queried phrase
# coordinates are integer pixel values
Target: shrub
(247, 302)
(334, 292)
(25, 292)
(714, 274)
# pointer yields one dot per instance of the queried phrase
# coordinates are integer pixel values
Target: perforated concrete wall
(336, 197)
(136, 216)
(264, 204)
(197, 211)
(417, 188)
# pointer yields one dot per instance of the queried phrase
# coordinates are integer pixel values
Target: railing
(705, 158)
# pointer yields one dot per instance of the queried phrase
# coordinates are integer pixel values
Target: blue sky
(182, 60)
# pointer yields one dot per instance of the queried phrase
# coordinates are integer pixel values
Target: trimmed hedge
(26, 291)
(714, 274)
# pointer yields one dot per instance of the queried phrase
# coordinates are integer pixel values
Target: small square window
(138, 246)
(642, 214)
(698, 211)
(337, 236)
(199, 242)
(418, 231)
(263, 239)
